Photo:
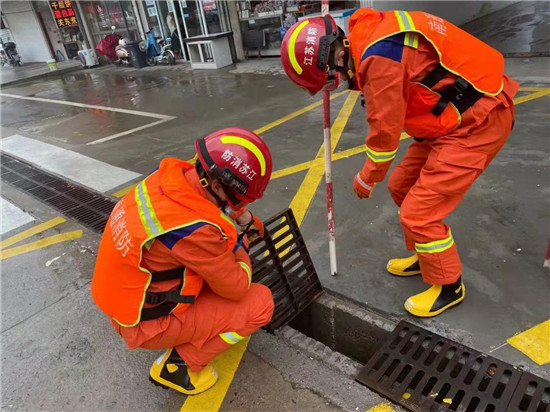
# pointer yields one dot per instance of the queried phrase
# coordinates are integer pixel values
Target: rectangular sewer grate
(426, 372)
(281, 262)
(88, 208)
(532, 395)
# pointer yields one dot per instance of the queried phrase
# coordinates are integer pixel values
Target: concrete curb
(45, 75)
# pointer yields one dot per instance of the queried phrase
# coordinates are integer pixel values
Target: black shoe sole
(154, 382)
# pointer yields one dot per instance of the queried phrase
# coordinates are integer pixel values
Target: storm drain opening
(86, 207)
(424, 371)
(532, 395)
(282, 262)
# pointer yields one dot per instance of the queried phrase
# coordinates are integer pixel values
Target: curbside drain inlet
(411, 366)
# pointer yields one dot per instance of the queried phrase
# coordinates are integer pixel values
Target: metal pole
(328, 168)
(328, 181)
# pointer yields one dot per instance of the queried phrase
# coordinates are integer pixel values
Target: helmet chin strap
(346, 68)
(203, 179)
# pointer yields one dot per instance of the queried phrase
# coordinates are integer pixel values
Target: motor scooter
(159, 51)
(122, 55)
(9, 55)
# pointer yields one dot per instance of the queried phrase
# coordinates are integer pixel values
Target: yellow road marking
(531, 89)
(226, 365)
(382, 407)
(296, 114)
(534, 343)
(124, 191)
(335, 156)
(32, 231)
(532, 96)
(39, 244)
(308, 188)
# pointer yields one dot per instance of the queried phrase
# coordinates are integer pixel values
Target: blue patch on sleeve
(171, 238)
(391, 48)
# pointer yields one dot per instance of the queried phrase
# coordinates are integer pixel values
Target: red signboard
(64, 13)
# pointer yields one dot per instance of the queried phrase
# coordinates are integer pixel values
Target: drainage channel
(409, 365)
(86, 207)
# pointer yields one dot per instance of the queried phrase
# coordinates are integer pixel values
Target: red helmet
(240, 159)
(305, 53)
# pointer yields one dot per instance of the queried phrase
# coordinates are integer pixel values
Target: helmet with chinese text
(305, 54)
(240, 159)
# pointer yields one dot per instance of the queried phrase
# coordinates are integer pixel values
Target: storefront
(181, 19)
(101, 16)
(264, 23)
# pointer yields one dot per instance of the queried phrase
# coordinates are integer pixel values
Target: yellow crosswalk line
(534, 343)
(30, 232)
(39, 244)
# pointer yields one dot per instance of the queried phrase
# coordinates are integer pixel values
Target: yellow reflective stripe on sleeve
(380, 156)
(435, 246)
(411, 39)
(231, 337)
(292, 47)
(247, 270)
(248, 145)
(404, 20)
(146, 212)
(409, 20)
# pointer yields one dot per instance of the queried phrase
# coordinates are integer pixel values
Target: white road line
(81, 169)
(163, 118)
(115, 136)
(91, 106)
(498, 347)
(12, 217)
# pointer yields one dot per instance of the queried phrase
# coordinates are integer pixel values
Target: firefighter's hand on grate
(252, 225)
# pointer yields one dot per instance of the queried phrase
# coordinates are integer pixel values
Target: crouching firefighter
(445, 88)
(173, 274)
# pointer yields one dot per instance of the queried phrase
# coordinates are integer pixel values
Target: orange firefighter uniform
(404, 63)
(167, 275)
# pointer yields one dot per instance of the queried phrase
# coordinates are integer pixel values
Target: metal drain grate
(532, 395)
(427, 372)
(88, 208)
(281, 262)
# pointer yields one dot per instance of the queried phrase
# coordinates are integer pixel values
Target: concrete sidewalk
(10, 76)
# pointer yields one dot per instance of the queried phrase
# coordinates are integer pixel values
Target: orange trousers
(430, 182)
(196, 334)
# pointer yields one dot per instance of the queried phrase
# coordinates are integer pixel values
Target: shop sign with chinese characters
(64, 14)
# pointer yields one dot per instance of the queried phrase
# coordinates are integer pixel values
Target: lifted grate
(532, 395)
(427, 372)
(88, 208)
(281, 262)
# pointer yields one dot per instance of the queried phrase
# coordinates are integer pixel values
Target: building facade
(48, 29)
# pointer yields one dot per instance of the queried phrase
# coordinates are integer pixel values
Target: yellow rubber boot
(436, 299)
(171, 371)
(404, 267)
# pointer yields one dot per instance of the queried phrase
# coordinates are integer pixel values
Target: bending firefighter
(444, 87)
(172, 272)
